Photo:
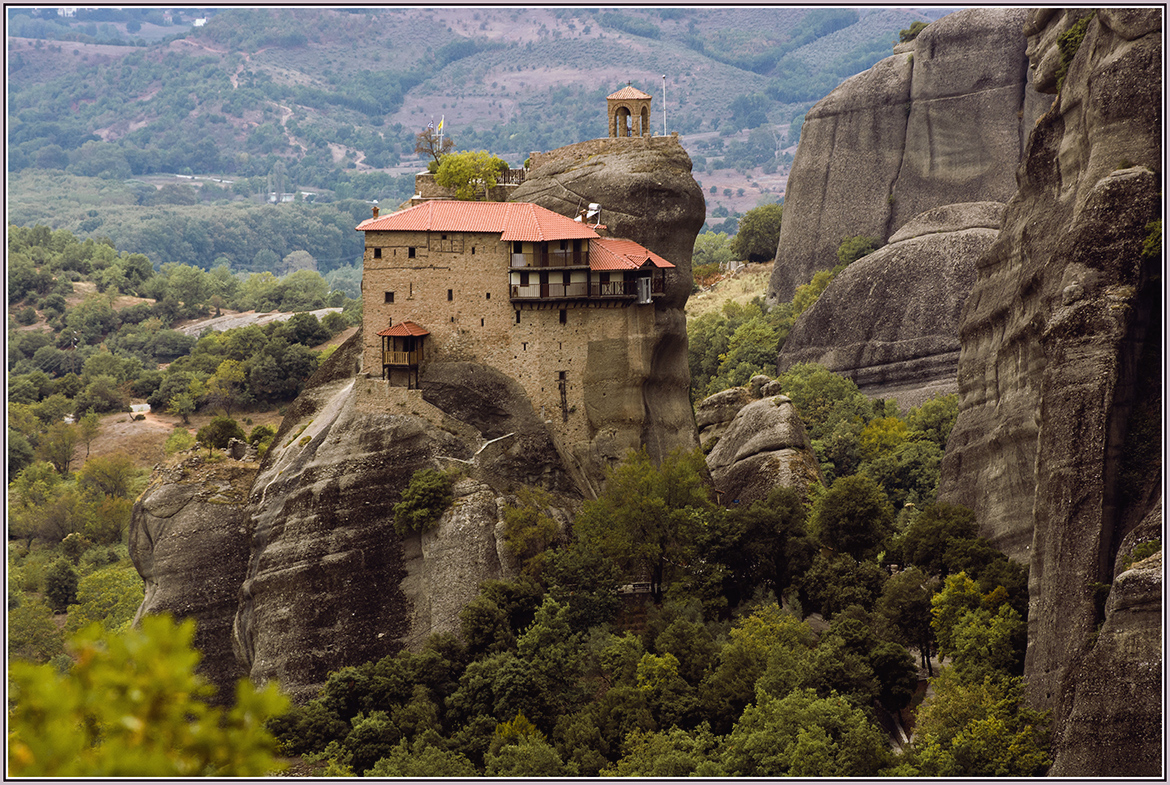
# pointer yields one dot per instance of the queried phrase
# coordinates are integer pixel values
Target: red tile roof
(512, 220)
(627, 93)
(403, 330)
(612, 253)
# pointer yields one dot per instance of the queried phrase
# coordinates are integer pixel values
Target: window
(410, 252)
(488, 296)
(450, 295)
(473, 250)
(377, 253)
(517, 317)
(481, 322)
(389, 297)
(564, 316)
(523, 279)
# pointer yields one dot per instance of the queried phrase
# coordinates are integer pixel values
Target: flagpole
(664, 104)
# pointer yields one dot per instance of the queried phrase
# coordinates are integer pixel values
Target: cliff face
(890, 321)
(1057, 444)
(637, 389)
(189, 542)
(943, 121)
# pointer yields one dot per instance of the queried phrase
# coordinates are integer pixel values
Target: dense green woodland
(779, 638)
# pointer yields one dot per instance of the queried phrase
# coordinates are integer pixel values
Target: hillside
(329, 101)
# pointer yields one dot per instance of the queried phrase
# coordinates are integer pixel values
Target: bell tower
(629, 112)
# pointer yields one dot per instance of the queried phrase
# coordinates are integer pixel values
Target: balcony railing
(555, 258)
(510, 177)
(579, 289)
(399, 358)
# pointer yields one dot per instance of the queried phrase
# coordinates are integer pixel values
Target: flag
(441, 119)
(431, 125)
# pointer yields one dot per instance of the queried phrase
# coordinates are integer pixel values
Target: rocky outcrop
(890, 321)
(1055, 446)
(638, 389)
(755, 444)
(189, 541)
(942, 122)
(329, 582)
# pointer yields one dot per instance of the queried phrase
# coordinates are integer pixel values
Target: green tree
(648, 518)
(88, 427)
(759, 233)
(424, 760)
(57, 446)
(132, 706)
(904, 610)
(32, 633)
(109, 597)
(219, 432)
(672, 753)
(853, 517)
(61, 585)
(471, 174)
(711, 248)
(803, 735)
(529, 531)
(423, 501)
(978, 729)
(113, 475)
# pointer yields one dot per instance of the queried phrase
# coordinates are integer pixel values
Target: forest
(787, 637)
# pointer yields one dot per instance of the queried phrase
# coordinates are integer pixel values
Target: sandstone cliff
(647, 194)
(1057, 444)
(329, 582)
(890, 321)
(941, 122)
(189, 542)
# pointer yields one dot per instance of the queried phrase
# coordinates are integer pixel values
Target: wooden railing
(510, 177)
(399, 358)
(552, 291)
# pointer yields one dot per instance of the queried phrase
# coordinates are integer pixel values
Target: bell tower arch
(628, 112)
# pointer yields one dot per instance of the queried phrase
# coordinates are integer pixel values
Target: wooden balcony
(407, 359)
(580, 290)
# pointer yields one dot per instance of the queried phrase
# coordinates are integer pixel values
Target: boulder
(890, 320)
(764, 447)
(189, 541)
(713, 415)
(941, 123)
(1057, 442)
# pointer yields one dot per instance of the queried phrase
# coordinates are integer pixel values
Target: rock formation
(189, 542)
(647, 194)
(942, 121)
(330, 583)
(890, 321)
(754, 443)
(1057, 443)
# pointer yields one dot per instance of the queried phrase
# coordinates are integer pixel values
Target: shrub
(179, 441)
(853, 248)
(219, 432)
(61, 585)
(423, 501)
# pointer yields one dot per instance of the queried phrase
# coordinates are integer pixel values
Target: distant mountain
(330, 100)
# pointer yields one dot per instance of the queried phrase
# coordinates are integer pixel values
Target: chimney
(375, 211)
